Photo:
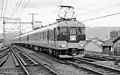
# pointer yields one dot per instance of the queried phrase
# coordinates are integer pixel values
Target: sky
(47, 10)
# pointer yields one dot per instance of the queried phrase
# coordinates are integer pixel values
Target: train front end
(71, 39)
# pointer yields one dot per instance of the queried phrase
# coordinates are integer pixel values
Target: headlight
(62, 46)
(82, 45)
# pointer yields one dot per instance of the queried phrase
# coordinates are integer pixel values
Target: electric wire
(17, 5)
(2, 8)
(101, 17)
(26, 4)
(5, 7)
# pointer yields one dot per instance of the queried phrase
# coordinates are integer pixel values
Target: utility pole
(3, 20)
(32, 19)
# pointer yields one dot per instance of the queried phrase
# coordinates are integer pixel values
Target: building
(114, 33)
(116, 46)
(107, 46)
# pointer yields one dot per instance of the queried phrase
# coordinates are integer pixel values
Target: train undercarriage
(55, 52)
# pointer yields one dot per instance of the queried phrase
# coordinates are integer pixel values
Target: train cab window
(72, 30)
(62, 33)
(62, 30)
(81, 30)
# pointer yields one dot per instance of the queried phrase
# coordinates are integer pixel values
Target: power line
(18, 3)
(2, 7)
(101, 17)
(24, 5)
(15, 7)
(5, 7)
(33, 19)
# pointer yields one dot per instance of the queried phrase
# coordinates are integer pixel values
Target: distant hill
(100, 32)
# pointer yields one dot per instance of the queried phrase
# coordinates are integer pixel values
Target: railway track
(85, 64)
(21, 63)
(59, 65)
(4, 53)
(94, 67)
(4, 60)
(90, 59)
(3, 49)
(31, 66)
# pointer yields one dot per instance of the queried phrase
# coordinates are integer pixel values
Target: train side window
(55, 33)
(46, 35)
(81, 30)
(58, 30)
(42, 36)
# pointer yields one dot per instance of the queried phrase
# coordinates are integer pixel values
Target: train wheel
(36, 48)
(82, 51)
(50, 51)
(56, 53)
(74, 52)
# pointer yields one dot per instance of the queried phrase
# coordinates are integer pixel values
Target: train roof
(59, 24)
(54, 25)
(21, 36)
(71, 23)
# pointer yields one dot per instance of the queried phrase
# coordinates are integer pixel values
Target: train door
(48, 37)
(28, 39)
(55, 36)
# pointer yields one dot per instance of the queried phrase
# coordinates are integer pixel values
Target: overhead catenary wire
(17, 5)
(101, 17)
(5, 8)
(26, 3)
(2, 8)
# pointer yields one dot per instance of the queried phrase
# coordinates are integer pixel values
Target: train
(65, 38)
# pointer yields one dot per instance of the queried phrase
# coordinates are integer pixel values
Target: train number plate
(72, 37)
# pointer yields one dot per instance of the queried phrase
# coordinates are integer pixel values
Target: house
(107, 46)
(116, 46)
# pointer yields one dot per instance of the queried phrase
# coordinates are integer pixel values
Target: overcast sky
(47, 11)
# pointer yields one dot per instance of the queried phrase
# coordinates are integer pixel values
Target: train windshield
(62, 30)
(70, 34)
(72, 30)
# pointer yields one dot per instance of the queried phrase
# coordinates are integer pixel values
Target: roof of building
(109, 42)
(118, 38)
